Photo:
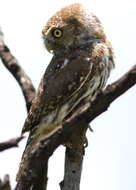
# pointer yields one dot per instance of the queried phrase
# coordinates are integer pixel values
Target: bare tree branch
(10, 143)
(5, 184)
(27, 88)
(38, 159)
(73, 169)
(15, 69)
(75, 150)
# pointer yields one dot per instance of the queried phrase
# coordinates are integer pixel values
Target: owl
(80, 66)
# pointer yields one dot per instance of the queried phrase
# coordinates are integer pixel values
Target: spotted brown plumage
(81, 64)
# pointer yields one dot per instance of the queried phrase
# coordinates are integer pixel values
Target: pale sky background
(110, 160)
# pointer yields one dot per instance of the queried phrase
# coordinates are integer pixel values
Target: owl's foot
(85, 139)
(85, 142)
(90, 128)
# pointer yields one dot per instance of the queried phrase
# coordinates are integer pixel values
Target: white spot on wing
(87, 58)
(65, 63)
(51, 117)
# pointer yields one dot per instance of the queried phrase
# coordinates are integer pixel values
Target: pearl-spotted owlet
(81, 64)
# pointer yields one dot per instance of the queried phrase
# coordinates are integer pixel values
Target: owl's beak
(47, 44)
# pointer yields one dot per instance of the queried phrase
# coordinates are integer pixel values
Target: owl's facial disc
(53, 39)
(58, 38)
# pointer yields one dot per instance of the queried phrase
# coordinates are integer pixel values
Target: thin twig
(5, 183)
(10, 143)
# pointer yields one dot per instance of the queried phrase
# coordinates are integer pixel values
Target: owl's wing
(62, 79)
(34, 112)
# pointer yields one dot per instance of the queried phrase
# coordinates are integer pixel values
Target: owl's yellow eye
(57, 33)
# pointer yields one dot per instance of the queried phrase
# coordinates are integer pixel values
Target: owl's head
(70, 28)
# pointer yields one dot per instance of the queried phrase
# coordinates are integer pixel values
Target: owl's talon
(90, 128)
(86, 143)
